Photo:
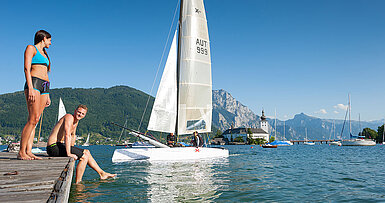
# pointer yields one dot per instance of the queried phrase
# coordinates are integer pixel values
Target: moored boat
(281, 143)
(306, 140)
(358, 142)
(337, 143)
(183, 103)
(269, 146)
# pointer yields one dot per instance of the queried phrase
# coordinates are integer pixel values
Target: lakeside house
(262, 132)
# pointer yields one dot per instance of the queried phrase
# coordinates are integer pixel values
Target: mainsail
(187, 102)
(195, 105)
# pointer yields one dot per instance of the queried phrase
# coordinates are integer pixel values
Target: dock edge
(62, 186)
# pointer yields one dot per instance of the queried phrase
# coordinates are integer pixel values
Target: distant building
(220, 141)
(262, 132)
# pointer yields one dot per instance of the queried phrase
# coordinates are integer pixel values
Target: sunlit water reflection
(288, 174)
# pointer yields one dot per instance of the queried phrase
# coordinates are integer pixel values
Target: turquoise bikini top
(39, 59)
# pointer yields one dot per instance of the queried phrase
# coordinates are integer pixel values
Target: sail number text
(201, 46)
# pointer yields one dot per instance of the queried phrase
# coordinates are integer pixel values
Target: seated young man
(62, 140)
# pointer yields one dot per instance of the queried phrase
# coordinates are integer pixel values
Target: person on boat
(171, 140)
(36, 89)
(62, 140)
(197, 140)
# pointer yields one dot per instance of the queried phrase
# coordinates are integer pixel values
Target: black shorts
(58, 149)
(40, 85)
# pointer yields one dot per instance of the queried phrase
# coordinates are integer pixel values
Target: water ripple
(298, 173)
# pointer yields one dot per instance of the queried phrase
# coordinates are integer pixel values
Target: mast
(178, 66)
(284, 133)
(275, 124)
(350, 124)
(306, 134)
(359, 121)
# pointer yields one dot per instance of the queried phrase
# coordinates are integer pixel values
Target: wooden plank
(32, 180)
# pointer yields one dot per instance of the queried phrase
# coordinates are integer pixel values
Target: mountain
(117, 103)
(322, 128)
(227, 111)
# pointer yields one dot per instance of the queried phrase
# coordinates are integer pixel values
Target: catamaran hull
(168, 154)
(358, 142)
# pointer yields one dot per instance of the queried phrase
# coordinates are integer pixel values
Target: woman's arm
(28, 55)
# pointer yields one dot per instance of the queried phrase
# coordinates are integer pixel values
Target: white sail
(87, 143)
(163, 115)
(195, 97)
(192, 83)
(62, 110)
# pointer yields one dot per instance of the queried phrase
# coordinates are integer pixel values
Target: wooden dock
(320, 141)
(47, 180)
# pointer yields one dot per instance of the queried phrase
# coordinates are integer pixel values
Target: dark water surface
(298, 173)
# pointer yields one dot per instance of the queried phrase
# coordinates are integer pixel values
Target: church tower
(263, 123)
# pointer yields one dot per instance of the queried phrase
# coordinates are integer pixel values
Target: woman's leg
(34, 112)
(43, 101)
(30, 143)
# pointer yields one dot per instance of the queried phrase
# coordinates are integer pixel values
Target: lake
(296, 173)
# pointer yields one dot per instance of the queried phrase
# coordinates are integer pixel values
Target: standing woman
(36, 89)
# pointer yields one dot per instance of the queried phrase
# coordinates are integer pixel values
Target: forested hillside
(105, 106)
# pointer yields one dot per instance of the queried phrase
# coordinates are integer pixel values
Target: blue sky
(290, 55)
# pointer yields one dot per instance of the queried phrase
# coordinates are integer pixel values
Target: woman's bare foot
(23, 156)
(105, 175)
(33, 156)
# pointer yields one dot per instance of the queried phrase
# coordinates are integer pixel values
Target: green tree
(249, 131)
(369, 133)
(239, 139)
(272, 139)
(259, 141)
(249, 136)
(380, 133)
(219, 134)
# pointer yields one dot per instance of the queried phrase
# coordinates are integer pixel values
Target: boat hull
(269, 146)
(335, 143)
(168, 154)
(358, 142)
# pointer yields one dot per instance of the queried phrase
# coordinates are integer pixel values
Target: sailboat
(183, 103)
(87, 143)
(356, 140)
(284, 142)
(306, 140)
(278, 142)
(333, 130)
